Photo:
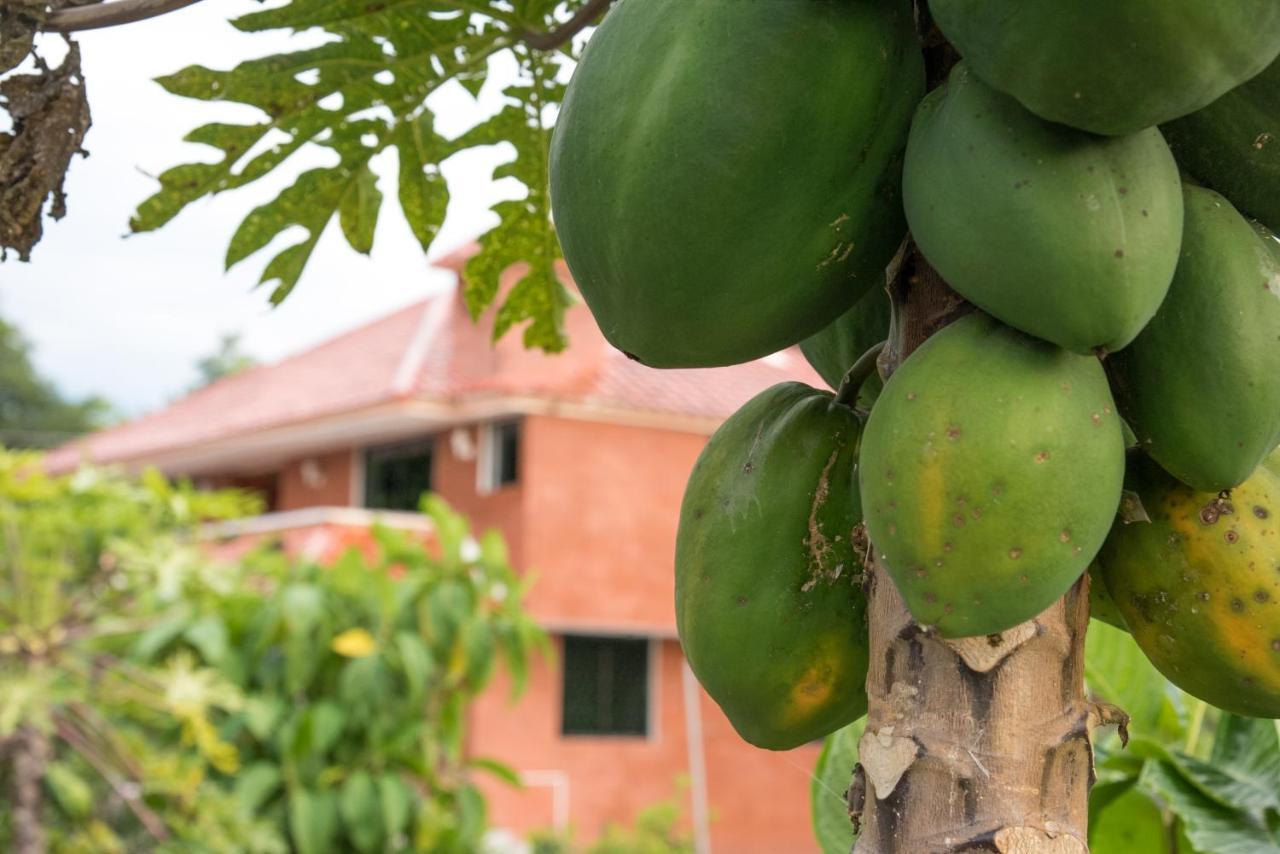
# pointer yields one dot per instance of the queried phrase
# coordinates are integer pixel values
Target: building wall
(318, 480)
(758, 800)
(601, 505)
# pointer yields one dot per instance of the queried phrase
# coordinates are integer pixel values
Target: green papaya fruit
(1233, 146)
(832, 350)
(1201, 385)
(1199, 586)
(769, 601)
(1113, 67)
(991, 468)
(725, 176)
(1068, 236)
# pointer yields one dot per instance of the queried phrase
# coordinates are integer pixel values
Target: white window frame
(487, 455)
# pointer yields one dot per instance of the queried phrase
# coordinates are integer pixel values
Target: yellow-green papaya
(1233, 146)
(725, 176)
(1199, 586)
(990, 470)
(1201, 385)
(1113, 67)
(769, 600)
(1068, 236)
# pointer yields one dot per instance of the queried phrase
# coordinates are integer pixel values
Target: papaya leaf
(1244, 769)
(524, 234)
(1124, 819)
(362, 91)
(1208, 825)
(831, 823)
(1118, 672)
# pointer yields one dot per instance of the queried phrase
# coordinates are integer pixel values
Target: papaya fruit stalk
(978, 743)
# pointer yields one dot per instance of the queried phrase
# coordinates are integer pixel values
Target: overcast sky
(127, 318)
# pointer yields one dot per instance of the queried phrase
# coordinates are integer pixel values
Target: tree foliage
(33, 414)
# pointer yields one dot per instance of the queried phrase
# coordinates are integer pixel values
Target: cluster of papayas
(732, 178)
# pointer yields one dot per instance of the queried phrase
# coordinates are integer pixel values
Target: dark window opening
(606, 686)
(504, 454)
(396, 476)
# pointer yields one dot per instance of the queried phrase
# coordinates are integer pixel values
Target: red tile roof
(432, 351)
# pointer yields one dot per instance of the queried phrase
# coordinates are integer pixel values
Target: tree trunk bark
(980, 744)
(28, 751)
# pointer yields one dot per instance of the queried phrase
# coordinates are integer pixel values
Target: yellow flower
(354, 643)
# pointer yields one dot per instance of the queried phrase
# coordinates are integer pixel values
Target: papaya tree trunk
(980, 744)
(28, 751)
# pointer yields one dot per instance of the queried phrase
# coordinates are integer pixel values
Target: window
(606, 686)
(500, 457)
(395, 476)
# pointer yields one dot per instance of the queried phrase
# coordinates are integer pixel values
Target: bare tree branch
(555, 38)
(76, 18)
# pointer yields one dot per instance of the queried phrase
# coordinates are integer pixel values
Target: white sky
(127, 318)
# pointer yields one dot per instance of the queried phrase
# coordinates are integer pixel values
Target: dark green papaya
(725, 176)
(1199, 586)
(1233, 146)
(832, 350)
(1068, 236)
(769, 600)
(1101, 605)
(1201, 385)
(1113, 67)
(990, 470)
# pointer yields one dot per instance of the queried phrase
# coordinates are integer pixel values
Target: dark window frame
(373, 456)
(613, 716)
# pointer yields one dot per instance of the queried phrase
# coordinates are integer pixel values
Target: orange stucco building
(580, 460)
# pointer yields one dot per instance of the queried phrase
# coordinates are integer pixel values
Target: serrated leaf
(831, 778)
(358, 209)
(424, 194)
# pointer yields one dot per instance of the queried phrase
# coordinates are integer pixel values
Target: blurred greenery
(657, 830)
(155, 699)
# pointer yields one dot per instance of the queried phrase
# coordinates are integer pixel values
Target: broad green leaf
(327, 721)
(1245, 763)
(72, 793)
(361, 812)
(1209, 825)
(312, 820)
(209, 636)
(1124, 820)
(831, 779)
(397, 804)
(256, 784)
(1117, 671)
(498, 769)
(416, 661)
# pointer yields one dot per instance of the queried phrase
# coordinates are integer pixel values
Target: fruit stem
(858, 374)
(1197, 723)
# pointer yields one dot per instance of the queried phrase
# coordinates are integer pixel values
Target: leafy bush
(154, 699)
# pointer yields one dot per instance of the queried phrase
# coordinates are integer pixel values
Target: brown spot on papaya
(1119, 253)
(1260, 512)
(1015, 553)
(1237, 605)
(1261, 596)
(1065, 536)
(1231, 536)
(1042, 456)
(953, 433)
(741, 600)
(958, 520)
